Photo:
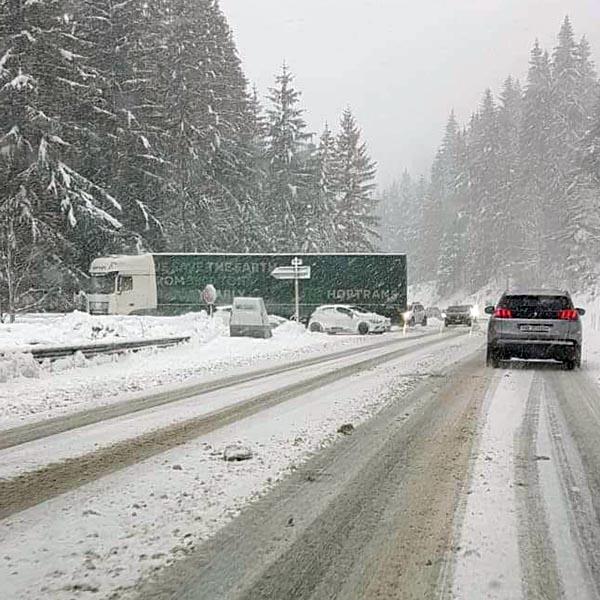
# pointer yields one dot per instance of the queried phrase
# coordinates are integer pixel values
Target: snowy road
(458, 482)
(119, 498)
(488, 487)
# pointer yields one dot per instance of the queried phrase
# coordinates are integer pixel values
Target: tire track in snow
(537, 556)
(568, 484)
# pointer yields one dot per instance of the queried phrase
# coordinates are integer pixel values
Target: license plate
(535, 328)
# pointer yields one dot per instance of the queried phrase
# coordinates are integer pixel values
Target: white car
(344, 318)
(249, 318)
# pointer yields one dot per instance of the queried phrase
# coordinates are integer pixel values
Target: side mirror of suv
(489, 310)
(580, 311)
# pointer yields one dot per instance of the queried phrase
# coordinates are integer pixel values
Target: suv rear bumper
(547, 349)
(458, 320)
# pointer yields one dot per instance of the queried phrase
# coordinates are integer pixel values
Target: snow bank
(81, 328)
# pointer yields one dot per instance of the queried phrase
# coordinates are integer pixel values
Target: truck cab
(122, 285)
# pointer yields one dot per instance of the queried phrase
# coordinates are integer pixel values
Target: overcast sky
(400, 64)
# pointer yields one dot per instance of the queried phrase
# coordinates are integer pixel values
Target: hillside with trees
(514, 194)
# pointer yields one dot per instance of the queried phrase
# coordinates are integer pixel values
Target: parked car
(249, 318)
(535, 324)
(344, 318)
(223, 313)
(462, 314)
(415, 315)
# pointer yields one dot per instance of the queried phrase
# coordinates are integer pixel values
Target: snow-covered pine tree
(486, 217)
(45, 197)
(233, 169)
(251, 234)
(573, 100)
(414, 246)
(118, 48)
(536, 172)
(399, 216)
(318, 226)
(388, 213)
(289, 175)
(207, 117)
(356, 205)
(510, 114)
(590, 153)
(452, 261)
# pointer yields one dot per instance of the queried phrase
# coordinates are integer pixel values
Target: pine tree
(484, 182)
(46, 199)
(573, 98)
(319, 227)
(250, 234)
(510, 115)
(355, 213)
(287, 155)
(590, 151)
(536, 171)
(444, 209)
(117, 111)
(206, 114)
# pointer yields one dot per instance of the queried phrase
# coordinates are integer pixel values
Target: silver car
(535, 324)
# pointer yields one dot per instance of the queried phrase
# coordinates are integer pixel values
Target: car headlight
(475, 311)
(406, 315)
(443, 315)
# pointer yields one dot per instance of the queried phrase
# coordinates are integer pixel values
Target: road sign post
(296, 272)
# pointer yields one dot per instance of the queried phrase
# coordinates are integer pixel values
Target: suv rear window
(536, 307)
(458, 309)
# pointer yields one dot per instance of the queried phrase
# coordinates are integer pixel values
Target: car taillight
(568, 315)
(503, 313)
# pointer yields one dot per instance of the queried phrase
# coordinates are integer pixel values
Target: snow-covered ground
(29, 391)
(77, 328)
(101, 538)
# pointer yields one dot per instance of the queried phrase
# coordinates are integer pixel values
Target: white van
(249, 318)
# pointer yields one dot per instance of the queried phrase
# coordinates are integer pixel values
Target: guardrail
(89, 350)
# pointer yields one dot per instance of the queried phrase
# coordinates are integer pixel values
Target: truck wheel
(316, 327)
(411, 322)
(424, 323)
(363, 328)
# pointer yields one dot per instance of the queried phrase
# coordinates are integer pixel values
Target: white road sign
(291, 273)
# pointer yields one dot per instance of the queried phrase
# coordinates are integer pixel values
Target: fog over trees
(514, 194)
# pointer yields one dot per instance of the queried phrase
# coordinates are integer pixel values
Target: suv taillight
(568, 314)
(503, 313)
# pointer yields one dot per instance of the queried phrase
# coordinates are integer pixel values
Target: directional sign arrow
(291, 273)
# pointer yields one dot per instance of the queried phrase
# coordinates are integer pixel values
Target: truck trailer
(169, 284)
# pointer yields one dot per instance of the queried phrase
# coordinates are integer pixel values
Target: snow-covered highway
(454, 481)
(82, 485)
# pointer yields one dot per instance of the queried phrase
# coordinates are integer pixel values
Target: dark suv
(541, 324)
(459, 315)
